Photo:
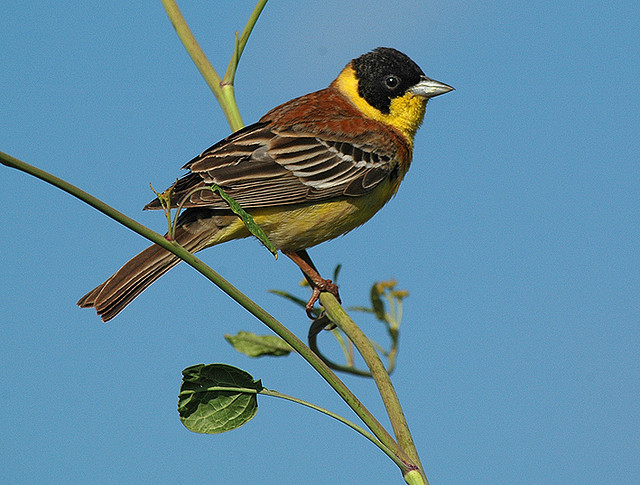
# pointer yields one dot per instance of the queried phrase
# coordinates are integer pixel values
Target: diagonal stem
(339, 316)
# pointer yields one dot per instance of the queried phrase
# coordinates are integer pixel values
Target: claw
(317, 282)
(318, 287)
(312, 301)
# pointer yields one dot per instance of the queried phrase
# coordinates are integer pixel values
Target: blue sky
(516, 232)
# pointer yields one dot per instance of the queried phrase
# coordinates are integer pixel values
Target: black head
(384, 74)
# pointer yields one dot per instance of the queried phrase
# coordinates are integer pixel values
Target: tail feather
(133, 278)
(112, 296)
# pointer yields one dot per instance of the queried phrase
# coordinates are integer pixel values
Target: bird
(308, 171)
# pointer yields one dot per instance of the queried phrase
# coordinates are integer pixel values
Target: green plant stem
(339, 316)
(348, 369)
(354, 426)
(343, 391)
(414, 477)
(223, 92)
(241, 42)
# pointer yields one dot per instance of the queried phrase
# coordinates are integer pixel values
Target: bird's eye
(391, 82)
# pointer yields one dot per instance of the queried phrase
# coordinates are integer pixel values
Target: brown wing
(284, 159)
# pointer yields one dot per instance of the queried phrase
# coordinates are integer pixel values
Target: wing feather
(268, 164)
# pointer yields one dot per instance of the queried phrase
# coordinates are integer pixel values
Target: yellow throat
(405, 112)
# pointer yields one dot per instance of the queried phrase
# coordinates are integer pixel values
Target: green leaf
(258, 345)
(215, 398)
(360, 309)
(254, 228)
(290, 297)
(376, 301)
(336, 272)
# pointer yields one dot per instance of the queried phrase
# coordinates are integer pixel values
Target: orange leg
(317, 282)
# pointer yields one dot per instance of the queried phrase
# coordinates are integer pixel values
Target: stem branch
(339, 316)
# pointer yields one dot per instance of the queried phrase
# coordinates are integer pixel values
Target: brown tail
(137, 274)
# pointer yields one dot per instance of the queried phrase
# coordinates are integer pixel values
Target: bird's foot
(320, 285)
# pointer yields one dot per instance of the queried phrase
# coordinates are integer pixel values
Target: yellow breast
(303, 226)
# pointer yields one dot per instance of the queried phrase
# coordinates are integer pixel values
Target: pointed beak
(429, 88)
